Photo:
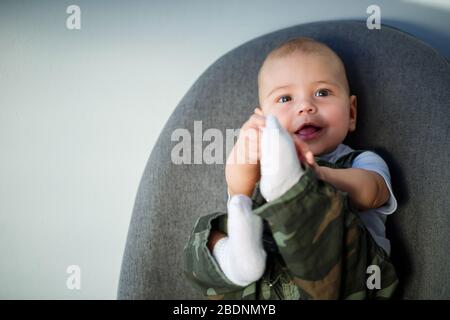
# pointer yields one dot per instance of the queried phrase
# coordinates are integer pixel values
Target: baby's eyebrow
(327, 82)
(334, 84)
(277, 88)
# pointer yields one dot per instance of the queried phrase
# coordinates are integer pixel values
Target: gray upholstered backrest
(403, 89)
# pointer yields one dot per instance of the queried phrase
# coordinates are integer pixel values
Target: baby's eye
(284, 99)
(322, 93)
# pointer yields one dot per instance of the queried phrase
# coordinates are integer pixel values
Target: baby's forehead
(331, 65)
(331, 60)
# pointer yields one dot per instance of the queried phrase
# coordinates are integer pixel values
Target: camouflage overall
(317, 247)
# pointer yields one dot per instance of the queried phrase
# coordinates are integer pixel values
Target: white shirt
(373, 219)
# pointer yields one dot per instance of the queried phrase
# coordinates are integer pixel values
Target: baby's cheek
(268, 109)
(285, 121)
(283, 116)
(271, 110)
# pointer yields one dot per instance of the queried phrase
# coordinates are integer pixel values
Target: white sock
(280, 166)
(241, 255)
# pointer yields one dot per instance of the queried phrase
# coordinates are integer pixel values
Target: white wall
(80, 111)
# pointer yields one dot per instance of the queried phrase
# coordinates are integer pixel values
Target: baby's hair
(303, 45)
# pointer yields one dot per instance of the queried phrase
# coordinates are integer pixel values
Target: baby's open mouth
(308, 131)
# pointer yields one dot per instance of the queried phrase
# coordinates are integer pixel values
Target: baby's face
(309, 88)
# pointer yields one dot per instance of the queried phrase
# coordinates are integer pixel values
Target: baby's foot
(241, 255)
(280, 166)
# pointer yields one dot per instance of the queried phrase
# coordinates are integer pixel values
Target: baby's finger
(258, 111)
(310, 158)
(256, 121)
(301, 146)
(303, 150)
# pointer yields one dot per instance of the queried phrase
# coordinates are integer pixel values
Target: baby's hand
(242, 170)
(306, 156)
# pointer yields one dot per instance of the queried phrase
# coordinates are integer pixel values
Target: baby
(305, 98)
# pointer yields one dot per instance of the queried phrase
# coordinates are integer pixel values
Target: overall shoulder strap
(346, 160)
(343, 162)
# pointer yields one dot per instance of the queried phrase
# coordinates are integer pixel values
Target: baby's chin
(324, 151)
(316, 146)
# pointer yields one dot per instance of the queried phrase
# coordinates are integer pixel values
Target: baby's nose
(306, 107)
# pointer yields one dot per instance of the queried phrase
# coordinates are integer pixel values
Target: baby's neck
(332, 154)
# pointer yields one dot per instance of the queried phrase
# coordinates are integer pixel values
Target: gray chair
(403, 89)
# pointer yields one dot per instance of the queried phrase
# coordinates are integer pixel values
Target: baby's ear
(353, 112)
